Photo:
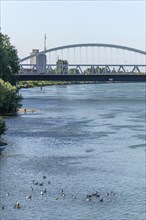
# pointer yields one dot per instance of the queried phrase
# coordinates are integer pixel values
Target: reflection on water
(82, 139)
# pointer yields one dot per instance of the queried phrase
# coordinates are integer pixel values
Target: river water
(83, 139)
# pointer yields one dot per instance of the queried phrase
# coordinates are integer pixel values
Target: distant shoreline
(25, 110)
(32, 84)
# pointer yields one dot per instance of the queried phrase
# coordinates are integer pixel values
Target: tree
(9, 98)
(61, 67)
(9, 66)
(73, 71)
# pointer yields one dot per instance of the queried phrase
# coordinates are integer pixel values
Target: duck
(55, 198)
(42, 192)
(88, 199)
(17, 205)
(63, 194)
(96, 194)
(45, 190)
(107, 194)
(88, 196)
(7, 194)
(73, 197)
(35, 183)
(112, 193)
(28, 197)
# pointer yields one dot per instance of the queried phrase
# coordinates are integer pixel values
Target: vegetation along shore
(10, 100)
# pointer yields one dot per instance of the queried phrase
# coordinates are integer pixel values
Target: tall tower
(45, 38)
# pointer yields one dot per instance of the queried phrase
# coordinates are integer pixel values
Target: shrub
(9, 98)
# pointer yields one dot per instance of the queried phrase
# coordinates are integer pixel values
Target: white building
(33, 59)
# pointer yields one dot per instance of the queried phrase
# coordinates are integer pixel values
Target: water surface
(83, 138)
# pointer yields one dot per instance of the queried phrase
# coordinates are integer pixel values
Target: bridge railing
(83, 69)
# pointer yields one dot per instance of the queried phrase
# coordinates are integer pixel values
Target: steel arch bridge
(94, 68)
(86, 45)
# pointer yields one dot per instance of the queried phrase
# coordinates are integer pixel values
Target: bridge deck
(99, 78)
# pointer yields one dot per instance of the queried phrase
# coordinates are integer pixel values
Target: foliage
(61, 66)
(73, 71)
(2, 126)
(31, 84)
(9, 98)
(9, 66)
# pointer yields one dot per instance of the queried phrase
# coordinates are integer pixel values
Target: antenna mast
(45, 42)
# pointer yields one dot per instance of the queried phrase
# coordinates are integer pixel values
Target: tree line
(62, 68)
(10, 100)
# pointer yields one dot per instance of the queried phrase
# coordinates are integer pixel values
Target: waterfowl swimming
(28, 197)
(45, 190)
(101, 200)
(88, 199)
(96, 194)
(41, 184)
(55, 198)
(35, 183)
(107, 194)
(7, 194)
(73, 196)
(17, 205)
(2, 207)
(42, 193)
(63, 195)
(44, 177)
(61, 190)
(112, 193)
(88, 196)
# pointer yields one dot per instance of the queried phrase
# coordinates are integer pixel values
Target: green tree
(9, 61)
(61, 67)
(9, 98)
(73, 71)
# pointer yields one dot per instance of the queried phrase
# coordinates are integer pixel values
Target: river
(79, 140)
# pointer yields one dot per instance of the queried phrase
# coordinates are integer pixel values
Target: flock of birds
(35, 185)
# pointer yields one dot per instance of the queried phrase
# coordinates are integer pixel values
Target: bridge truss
(87, 59)
(80, 69)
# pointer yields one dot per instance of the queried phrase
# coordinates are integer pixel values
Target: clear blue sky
(69, 22)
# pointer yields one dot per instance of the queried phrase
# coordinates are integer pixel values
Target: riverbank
(24, 110)
(31, 84)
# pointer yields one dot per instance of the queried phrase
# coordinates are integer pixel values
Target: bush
(9, 98)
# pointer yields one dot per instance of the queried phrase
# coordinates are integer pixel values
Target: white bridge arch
(85, 45)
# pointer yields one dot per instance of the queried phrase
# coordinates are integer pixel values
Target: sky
(69, 22)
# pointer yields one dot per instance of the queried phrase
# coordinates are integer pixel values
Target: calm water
(83, 138)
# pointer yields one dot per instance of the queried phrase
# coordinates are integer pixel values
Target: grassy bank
(31, 84)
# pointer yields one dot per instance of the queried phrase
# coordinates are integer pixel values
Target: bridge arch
(85, 45)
